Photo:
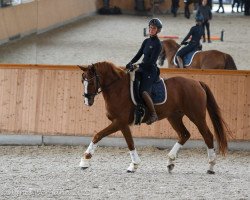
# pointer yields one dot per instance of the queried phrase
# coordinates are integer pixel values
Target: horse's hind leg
(184, 135)
(85, 161)
(133, 153)
(208, 137)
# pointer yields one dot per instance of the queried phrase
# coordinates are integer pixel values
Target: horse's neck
(111, 80)
(116, 89)
(170, 56)
(116, 94)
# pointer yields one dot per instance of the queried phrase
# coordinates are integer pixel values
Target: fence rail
(47, 100)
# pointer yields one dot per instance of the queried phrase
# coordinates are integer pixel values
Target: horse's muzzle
(88, 100)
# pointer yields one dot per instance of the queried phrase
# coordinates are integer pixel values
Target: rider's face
(152, 30)
(204, 2)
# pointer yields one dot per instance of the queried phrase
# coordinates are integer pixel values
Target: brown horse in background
(211, 59)
(114, 82)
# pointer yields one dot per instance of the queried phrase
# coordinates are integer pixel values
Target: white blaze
(85, 83)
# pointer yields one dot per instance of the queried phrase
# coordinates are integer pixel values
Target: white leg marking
(91, 148)
(85, 163)
(134, 157)
(173, 153)
(135, 161)
(211, 159)
(172, 156)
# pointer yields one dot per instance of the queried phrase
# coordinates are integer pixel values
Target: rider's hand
(184, 43)
(129, 66)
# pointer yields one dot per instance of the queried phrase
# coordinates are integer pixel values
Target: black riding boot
(149, 103)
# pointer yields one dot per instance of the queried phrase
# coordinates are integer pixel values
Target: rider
(148, 70)
(196, 32)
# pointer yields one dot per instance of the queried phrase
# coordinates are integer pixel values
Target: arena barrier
(47, 100)
(31, 17)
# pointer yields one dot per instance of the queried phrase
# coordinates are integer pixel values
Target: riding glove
(129, 66)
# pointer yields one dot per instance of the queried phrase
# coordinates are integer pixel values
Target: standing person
(238, 5)
(174, 7)
(247, 8)
(205, 11)
(196, 32)
(220, 6)
(242, 5)
(187, 12)
(209, 3)
(148, 70)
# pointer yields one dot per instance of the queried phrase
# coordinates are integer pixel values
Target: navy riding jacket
(196, 32)
(150, 48)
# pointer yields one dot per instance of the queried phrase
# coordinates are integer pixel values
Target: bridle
(86, 81)
(96, 79)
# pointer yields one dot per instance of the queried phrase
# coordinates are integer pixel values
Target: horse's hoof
(170, 168)
(210, 172)
(132, 168)
(84, 164)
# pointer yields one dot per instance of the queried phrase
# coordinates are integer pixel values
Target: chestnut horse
(211, 59)
(185, 97)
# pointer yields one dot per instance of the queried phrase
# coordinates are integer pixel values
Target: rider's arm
(188, 36)
(139, 53)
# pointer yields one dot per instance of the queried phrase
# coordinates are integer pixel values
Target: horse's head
(91, 83)
(169, 48)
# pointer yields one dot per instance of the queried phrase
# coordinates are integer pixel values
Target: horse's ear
(92, 68)
(83, 67)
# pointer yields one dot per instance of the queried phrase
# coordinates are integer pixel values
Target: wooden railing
(47, 100)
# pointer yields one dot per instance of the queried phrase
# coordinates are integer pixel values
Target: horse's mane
(170, 44)
(110, 68)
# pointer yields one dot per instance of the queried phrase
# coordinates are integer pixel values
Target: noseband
(97, 83)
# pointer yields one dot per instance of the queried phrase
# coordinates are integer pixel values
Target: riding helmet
(156, 22)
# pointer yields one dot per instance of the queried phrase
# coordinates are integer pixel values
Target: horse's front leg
(133, 153)
(112, 128)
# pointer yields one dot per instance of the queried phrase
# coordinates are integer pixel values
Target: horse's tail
(220, 126)
(229, 62)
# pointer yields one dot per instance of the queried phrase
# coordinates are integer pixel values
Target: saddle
(188, 58)
(158, 95)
